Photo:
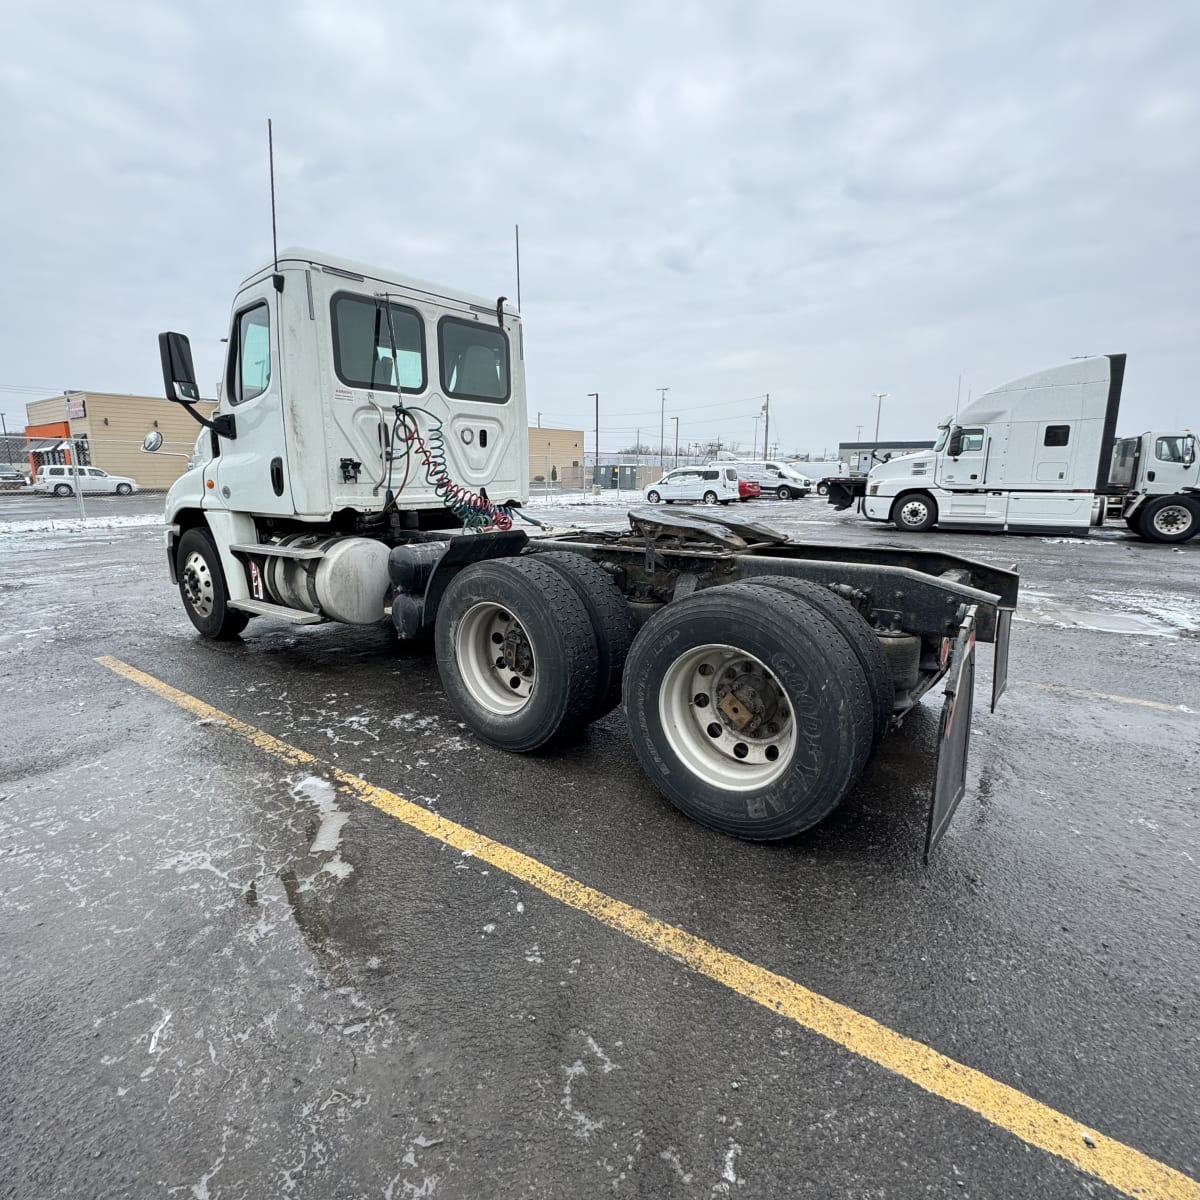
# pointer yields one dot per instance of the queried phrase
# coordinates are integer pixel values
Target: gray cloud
(727, 200)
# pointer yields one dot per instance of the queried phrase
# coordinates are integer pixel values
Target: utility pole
(676, 420)
(879, 398)
(766, 422)
(74, 456)
(539, 420)
(637, 448)
(858, 433)
(596, 472)
(662, 426)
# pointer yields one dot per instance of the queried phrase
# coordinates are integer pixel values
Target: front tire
(123, 489)
(785, 493)
(516, 653)
(710, 497)
(748, 710)
(62, 489)
(914, 512)
(1169, 519)
(653, 497)
(202, 588)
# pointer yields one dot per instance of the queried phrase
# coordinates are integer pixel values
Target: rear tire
(612, 622)
(748, 710)
(853, 626)
(62, 489)
(1169, 519)
(822, 489)
(516, 653)
(710, 497)
(914, 512)
(202, 588)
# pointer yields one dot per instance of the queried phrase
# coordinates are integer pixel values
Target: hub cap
(913, 512)
(727, 719)
(1172, 519)
(198, 584)
(495, 658)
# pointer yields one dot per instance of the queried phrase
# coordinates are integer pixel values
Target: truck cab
(1157, 475)
(1029, 456)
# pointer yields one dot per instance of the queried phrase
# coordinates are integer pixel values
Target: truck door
(1171, 464)
(967, 470)
(252, 469)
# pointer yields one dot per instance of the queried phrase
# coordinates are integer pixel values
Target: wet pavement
(228, 977)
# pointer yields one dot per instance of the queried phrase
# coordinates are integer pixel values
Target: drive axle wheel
(748, 710)
(516, 652)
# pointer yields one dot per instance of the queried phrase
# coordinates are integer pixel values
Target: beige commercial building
(556, 456)
(109, 430)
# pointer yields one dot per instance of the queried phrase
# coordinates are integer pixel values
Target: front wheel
(123, 489)
(747, 710)
(1170, 519)
(710, 497)
(202, 588)
(653, 497)
(62, 489)
(784, 493)
(914, 513)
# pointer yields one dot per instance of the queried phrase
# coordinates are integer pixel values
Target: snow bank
(74, 524)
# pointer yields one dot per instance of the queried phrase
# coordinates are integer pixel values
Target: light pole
(879, 398)
(676, 420)
(596, 466)
(662, 426)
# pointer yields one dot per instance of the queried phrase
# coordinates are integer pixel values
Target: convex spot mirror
(179, 376)
(152, 441)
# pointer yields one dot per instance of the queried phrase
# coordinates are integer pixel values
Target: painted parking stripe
(1119, 1165)
(1086, 694)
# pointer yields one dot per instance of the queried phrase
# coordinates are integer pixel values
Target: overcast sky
(815, 201)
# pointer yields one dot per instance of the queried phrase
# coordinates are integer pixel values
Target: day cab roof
(302, 257)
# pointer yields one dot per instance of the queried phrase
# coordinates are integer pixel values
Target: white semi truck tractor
(1039, 455)
(369, 463)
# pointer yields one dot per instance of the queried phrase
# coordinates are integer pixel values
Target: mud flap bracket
(954, 735)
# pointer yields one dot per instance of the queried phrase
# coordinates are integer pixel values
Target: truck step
(261, 608)
(278, 551)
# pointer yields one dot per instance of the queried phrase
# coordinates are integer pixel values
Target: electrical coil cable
(472, 509)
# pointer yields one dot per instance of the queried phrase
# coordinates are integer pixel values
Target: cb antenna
(274, 239)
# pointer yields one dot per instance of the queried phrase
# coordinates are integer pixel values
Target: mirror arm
(222, 424)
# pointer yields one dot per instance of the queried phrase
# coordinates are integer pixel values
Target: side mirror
(1189, 451)
(179, 376)
(954, 446)
(152, 441)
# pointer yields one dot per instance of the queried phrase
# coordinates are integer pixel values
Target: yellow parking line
(1085, 694)
(1115, 1163)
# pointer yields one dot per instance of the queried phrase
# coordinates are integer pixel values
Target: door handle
(277, 476)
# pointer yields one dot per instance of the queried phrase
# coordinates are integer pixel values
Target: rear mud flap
(1004, 619)
(954, 735)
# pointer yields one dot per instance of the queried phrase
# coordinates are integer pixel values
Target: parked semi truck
(1039, 455)
(368, 462)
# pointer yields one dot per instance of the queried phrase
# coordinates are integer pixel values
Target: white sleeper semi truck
(368, 462)
(1039, 455)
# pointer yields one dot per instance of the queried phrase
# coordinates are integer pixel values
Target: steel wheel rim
(1172, 519)
(914, 512)
(704, 693)
(495, 658)
(198, 584)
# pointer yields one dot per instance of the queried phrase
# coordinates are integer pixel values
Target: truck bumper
(877, 508)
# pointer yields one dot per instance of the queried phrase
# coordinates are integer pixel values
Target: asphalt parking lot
(248, 953)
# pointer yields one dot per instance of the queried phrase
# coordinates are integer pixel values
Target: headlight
(873, 489)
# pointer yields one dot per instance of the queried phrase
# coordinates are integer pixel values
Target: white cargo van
(714, 484)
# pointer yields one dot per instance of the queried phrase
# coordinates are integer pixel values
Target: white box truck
(368, 463)
(1037, 456)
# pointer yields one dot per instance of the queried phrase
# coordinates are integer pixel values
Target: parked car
(748, 489)
(61, 481)
(774, 478)
(714, 484)
(11, 477)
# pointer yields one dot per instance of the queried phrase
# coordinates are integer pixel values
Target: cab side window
(250, 357)
(1170, 449)
(972, 440)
